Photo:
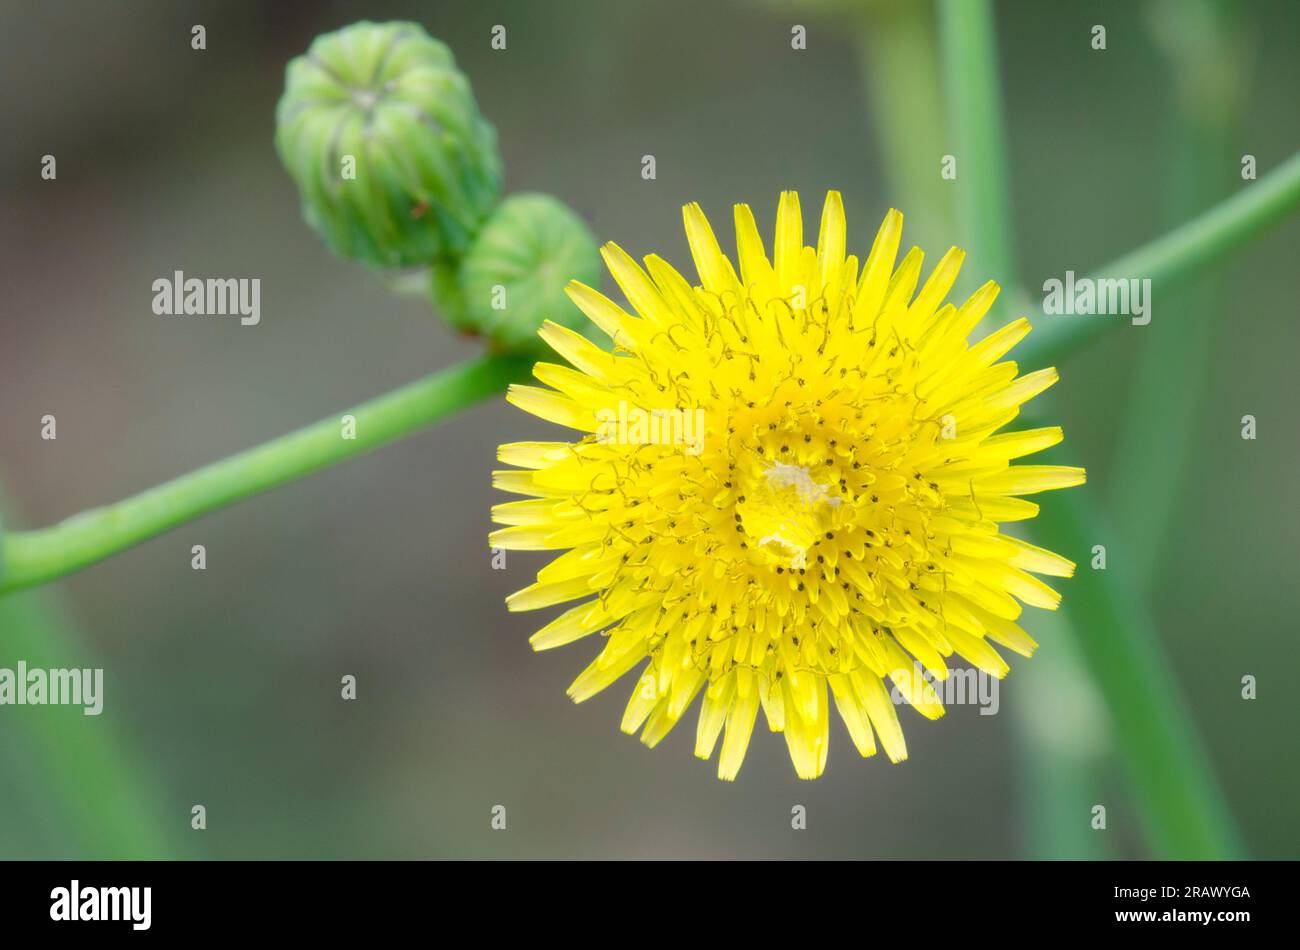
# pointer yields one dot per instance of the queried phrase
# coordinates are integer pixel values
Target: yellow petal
(1031, 479)
(740, 726)
(716, 272)
(830, 242)
(788, 249)
(875, 272)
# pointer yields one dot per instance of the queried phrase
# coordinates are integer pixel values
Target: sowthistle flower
(837, 526)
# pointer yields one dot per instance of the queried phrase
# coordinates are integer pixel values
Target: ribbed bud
(380, 130)
(514, 274)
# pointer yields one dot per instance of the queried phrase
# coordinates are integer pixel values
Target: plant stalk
(1173, 259)
(34, 557)
(1181, 809)
(1179, 800)
(968, 31)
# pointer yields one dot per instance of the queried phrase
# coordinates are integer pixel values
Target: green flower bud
(514, 274)
(380, 131)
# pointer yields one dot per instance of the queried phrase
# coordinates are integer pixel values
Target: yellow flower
(791, 480)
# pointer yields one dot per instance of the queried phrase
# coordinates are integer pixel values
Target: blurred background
(222, 687)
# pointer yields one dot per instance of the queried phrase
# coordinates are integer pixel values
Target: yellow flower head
(791, 479)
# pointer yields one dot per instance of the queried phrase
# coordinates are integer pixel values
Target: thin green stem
(1065, 742)
(975, 110)
(84, 790)
(898, 54)
(1174, 259)
(34, 557)
(1180, 806)
(1167, 398)
(1059, 752)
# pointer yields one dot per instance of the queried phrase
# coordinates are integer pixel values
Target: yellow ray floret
(787, 488)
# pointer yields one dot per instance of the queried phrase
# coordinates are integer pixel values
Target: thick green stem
(33, 557)
(1173, 259)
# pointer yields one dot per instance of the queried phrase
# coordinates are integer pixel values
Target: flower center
(784, 511)
(365, 99)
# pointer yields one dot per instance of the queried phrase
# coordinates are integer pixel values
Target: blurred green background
(222, 687)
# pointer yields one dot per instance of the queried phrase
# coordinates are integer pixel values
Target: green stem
(1174, 258)
(899, 59)
(1167, 398)
(84, 790)
(1181, 808)
(975, 109)
(1059, 752)
(34, 557)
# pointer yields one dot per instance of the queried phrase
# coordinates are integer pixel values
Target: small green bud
(514, 274)
(380, 131)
